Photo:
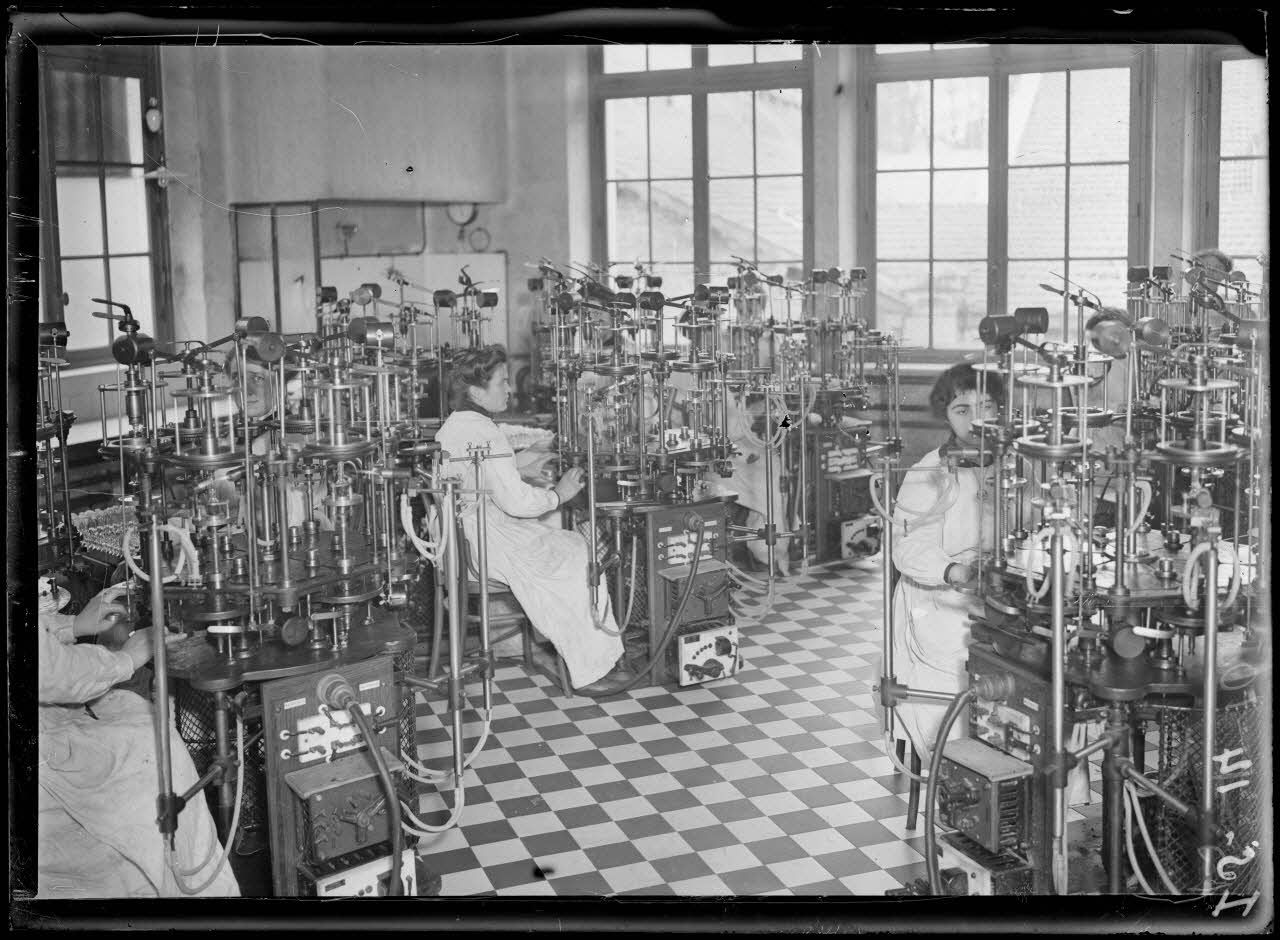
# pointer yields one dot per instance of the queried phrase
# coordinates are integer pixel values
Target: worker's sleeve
(508, 491)
(917, 545)
(70, 673)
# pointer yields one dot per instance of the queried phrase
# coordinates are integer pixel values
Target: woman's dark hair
(473, 368)
(961, 377)
(1108, 315)
(1215, 255)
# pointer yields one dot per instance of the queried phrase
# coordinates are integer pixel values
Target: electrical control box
(668, 567)
(975, 871)
(985, 794)
(367, 879)
(300, 731)
(709, 654)
(342, 806)
(1016, 724)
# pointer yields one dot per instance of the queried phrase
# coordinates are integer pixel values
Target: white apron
(545, 566)
(931, 635)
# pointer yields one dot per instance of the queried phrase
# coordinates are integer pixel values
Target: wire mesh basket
(1241, 794)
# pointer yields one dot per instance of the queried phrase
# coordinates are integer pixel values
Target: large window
(996, 169)
(1240, 215)
(702, 155)
(97, 147)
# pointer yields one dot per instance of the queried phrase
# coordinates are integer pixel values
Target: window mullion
(102, 185)
(998, 193)
(1066, 212)
(929, 246)
(701, 186)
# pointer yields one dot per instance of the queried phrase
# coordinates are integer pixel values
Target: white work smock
(545, 566)
(98, 782)
(931, 619)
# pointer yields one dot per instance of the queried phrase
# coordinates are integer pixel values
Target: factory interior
(574, 469)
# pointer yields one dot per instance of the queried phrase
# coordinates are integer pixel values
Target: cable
(184, 542)
(1189, 573)
(935, 767)
(1131, 792)
(892, 752)
(394, 886)
(1133, 856)
(180, 875)
(1069, 552)
(949, 495)
(419, 828)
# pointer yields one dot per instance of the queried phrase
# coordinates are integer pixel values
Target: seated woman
(97, 830)
(545, 567)
(936, 542)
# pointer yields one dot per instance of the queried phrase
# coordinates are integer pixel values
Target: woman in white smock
(545, 566)
(97, 830)
(937, 539)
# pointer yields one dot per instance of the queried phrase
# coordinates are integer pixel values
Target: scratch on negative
(349, 111)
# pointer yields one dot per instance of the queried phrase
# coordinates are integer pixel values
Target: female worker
(98, 836)
(545, 567)
(937, 538)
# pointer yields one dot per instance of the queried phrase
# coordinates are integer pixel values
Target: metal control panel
(301, 732)
(985, 795)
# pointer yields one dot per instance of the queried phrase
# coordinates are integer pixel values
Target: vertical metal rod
(251, 522)
(482, 563)
(164, 761)
(1210, 698)
(455, 577)
(222, 737)
(1059, 705)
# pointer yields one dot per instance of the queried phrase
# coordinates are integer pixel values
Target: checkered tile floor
(772, 782)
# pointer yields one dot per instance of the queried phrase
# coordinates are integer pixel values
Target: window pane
(729, 54)
(779, 52)
(1023, 290)
(672, 218)
(902, 300)
(959, 302)
(1243, 214)
(669, 57)
(127, 229)
(1099, 211)
(628, 213)
(1100, 115)
(79, 215)
(892, 49)
(619, 58)
(121, 119)
(1037, 212)
(960, 123)
(779, 131)
(677, 280)
(731, 221)
(1104, 278)
(902, 215)
(131, 284)
(779, 217)
(1038, 118)
(729, 133)
(82, 280)
(73, 116)
(719, 273)
(902, 125)
(1244, 108)
(253, 231)
(258, 290)
(960, 214)
(672, 123)
(625, 138)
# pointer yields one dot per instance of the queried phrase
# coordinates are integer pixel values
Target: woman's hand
(960, 574)
(570, 484)
(102, 612)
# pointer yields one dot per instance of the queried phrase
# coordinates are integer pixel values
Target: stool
(500, 591)
(913, 788)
